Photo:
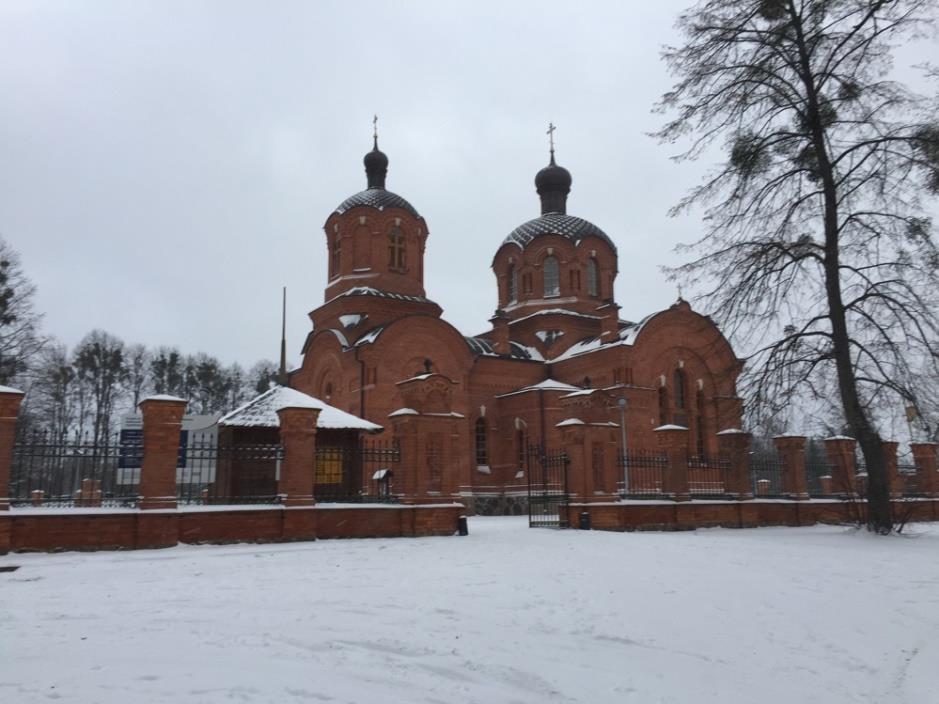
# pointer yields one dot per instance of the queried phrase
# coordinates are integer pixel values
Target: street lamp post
(623, 404)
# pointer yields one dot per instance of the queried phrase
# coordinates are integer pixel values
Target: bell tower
(375, 238)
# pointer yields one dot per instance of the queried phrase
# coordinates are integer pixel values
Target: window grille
(396, 250)
(593, 278)
(482, 451)
(552, 283)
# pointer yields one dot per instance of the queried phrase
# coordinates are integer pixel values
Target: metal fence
(644, 470)
(706, 475)
(56, 470)
(766, 474)
(362, 473)
(208, 472)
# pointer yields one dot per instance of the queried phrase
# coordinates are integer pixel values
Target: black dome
(553, 183)
(574, 229)
(553, 177)
(376, 167)
(375, 196)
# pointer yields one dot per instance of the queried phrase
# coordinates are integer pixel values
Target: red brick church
(550, 371)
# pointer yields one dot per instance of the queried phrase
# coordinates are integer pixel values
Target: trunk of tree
(879, 514)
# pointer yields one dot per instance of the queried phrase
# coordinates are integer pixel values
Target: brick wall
(103, 529)
(654, 515)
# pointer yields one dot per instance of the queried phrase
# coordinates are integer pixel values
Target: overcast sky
(166, 167)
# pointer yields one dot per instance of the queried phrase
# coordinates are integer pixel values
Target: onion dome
(376, 167)
(553, 183)
(375, 195)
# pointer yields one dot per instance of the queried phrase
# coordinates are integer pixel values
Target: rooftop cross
(375, 130)
(550, 134)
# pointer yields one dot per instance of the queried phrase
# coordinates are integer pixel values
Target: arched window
(482, 451)
(513, 283)
(663, 406)
(593, 278)
(396, 250)
(336, 258)
(702, 423)
(520, 448)
(552, 277)
(679, 392)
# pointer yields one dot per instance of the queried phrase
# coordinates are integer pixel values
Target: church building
(557, 365)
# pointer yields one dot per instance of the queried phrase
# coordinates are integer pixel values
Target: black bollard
(463, 528)
(585, 520)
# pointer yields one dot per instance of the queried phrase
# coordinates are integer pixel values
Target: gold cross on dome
(550, 134)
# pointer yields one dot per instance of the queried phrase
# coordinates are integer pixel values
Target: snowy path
(507, 614)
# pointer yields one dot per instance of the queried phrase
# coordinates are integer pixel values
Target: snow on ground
(508, 614)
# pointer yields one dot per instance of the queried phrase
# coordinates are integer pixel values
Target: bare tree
(817, 258)
(53, 393)
(138, 372)
(102, 370)
(19, 322)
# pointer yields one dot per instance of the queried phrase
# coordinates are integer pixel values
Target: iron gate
(547, 487)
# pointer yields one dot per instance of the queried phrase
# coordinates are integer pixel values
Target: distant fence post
(841, 455)
(894, 481)
(925, 456)
(791, 449)
(673, 439)
(162, 420)
(298, 468)
(10, 400)
(734, 444)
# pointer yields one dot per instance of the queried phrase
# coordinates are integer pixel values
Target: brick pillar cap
(839, 437)
(786, 436)
(569, 422)
(733, 431)
(925, 442)
(165, 397)
(11, 391)
(299, 407)
(671, 427)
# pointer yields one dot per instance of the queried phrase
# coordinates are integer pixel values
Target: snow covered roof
(377, 198)
(574, 229)
(555, 311)
(569, 421)
(480, 346)
(546, 385)
(369, 291)
(627, 337)
(261, 412)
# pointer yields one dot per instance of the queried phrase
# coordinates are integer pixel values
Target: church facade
(551, 371)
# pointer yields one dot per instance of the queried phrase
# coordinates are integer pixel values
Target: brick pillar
(673, 439)
(406, 475)
(791, 449)
(10, 400)
(609, 323)
(734, 444)
(925, 455)
(162, 420)
(297, 469)
(500, 333)
(841, 455)
(580, 470)
(894, 482)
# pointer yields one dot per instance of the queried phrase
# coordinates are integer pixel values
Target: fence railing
(645, 470)
(209, 472)
(362, 473)
(706, 475)
(57, 470)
